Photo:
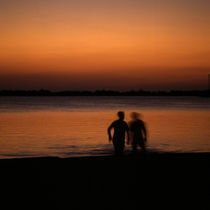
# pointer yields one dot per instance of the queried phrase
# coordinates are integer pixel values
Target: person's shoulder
(125, 123)
(131, 122)
(141, 122)
(115, 122)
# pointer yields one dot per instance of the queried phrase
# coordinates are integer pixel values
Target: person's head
(135, 115)
(121, 115)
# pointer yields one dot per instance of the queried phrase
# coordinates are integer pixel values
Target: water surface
(76, 126)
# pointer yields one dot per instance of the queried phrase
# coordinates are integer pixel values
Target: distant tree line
(42, 92)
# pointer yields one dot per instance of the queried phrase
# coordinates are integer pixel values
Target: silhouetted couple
(136, 133)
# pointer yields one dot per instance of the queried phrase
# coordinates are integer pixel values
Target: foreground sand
(142, 181)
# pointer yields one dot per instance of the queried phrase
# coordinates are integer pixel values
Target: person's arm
(144, 131)
(109, 132)
(128, 134)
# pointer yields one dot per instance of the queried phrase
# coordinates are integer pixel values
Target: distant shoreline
(42, 92)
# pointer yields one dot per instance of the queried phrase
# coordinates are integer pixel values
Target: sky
(104, 44)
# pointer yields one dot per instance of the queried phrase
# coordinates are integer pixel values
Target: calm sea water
(77, 126)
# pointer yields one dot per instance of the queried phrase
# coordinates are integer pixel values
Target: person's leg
(141, 143)
(117, 147)
(122, 147)
(143, 147)
(134, 145)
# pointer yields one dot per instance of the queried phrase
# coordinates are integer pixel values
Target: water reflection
(66, 134)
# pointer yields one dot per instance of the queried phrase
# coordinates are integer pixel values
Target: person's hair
(121, 114)
(135, 115)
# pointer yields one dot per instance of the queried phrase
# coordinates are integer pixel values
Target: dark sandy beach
(143, 181)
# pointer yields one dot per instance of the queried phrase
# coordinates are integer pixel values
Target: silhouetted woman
(138, 132)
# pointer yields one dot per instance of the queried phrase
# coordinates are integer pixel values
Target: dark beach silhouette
(152, 181)
(120, 129)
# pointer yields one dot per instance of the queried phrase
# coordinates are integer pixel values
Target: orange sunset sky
(104, 44)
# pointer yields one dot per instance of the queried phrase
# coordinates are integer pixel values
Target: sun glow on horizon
(97, 37)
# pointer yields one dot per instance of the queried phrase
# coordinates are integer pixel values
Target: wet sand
(142, 181)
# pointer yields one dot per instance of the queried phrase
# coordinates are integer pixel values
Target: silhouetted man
(138, 132)
(120, 128)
